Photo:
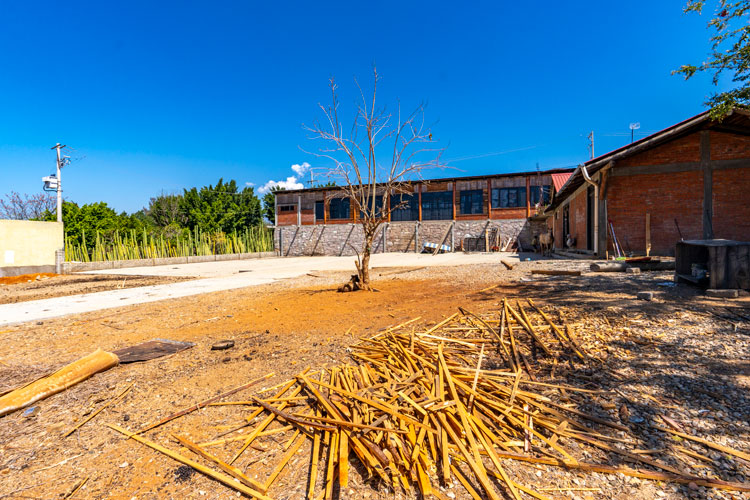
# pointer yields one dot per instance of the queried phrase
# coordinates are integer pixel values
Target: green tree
(220, 208)
(269, 204)
(85, 221)
(164, 210)
(730, 53)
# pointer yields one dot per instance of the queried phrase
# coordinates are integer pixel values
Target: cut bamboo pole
(105, 405)
(222, 478)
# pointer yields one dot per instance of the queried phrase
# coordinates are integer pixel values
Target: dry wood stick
(360, 445)
(232, 471)
(292, 419)
(284, 460)
(715, 446)
(204, 403)
(516, 365)
(461, 412)
(332, 456)
(343, 460)
(314, 463)
(441, 324)
(222, 478)
(381, 406)
(355, 425)
(476, 379)
(477, 468)
(496, 462)
(108, 403)
(557, 330)
(466, 483)
(262, 426)
(643, 474)
(76, 488)
(243, 437)
(529, 329)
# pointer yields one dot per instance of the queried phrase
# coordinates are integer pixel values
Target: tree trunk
(364, 268)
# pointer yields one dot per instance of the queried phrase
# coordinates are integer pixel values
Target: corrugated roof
(559, 180)
(552, 171)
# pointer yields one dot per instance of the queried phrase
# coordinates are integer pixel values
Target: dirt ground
(47, 285)
(681, 351)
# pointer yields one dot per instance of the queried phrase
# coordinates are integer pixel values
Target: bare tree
(16, 206)
(381, 155)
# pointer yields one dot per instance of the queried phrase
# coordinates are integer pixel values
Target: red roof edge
(559, 180)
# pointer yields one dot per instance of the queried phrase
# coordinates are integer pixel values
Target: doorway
(565, 225)
(590, 218)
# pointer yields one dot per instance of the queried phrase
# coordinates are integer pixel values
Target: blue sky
(159, 96)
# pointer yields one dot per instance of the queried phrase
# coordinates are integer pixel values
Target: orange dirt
(282, 328)
(26, 278)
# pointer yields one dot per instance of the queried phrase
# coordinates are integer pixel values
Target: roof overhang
(737, 121)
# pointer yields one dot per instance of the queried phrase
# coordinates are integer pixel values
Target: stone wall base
(347, 239)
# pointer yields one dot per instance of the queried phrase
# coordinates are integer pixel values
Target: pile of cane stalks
(421, 408)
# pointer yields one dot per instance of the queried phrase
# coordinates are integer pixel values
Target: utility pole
(591, 144)
(633, 128)
(60, 163)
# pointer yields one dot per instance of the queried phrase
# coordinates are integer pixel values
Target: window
(509, 197)
(471, 202)
(338, 208)
(539, 194)
(437, 205)
(378, 207)
(408, 207)
(287, 208)
(320, 209)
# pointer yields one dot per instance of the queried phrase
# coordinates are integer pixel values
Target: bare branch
(355, 159)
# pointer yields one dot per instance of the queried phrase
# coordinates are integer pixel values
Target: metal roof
(559, 180)
(566, 171)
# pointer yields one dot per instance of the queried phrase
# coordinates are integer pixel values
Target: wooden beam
(667, 168)
(730, 164)
(419, 199)
(708, 210)
(556, 272)
(454, 200)
(528, 201)
(489, 198)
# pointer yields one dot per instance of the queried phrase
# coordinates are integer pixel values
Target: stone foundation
(346, 239)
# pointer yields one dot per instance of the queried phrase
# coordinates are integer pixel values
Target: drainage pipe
(587, 178)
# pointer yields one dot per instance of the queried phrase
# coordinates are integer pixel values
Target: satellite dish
(635, 126)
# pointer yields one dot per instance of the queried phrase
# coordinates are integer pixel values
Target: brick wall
(666, 197)
(731, 203)
(683, 149)
(729, 146)
(338, 239)
(578, 220)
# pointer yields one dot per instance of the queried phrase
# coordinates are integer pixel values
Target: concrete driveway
(220, 276)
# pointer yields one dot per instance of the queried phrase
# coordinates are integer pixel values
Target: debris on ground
(648, 296)
(65, 377)
(222, 345)
(425, 408)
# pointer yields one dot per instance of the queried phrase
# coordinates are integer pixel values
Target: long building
(459, 213)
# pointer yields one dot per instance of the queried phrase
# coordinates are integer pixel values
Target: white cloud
(289, 183)
(250, 184)
(301, 170)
